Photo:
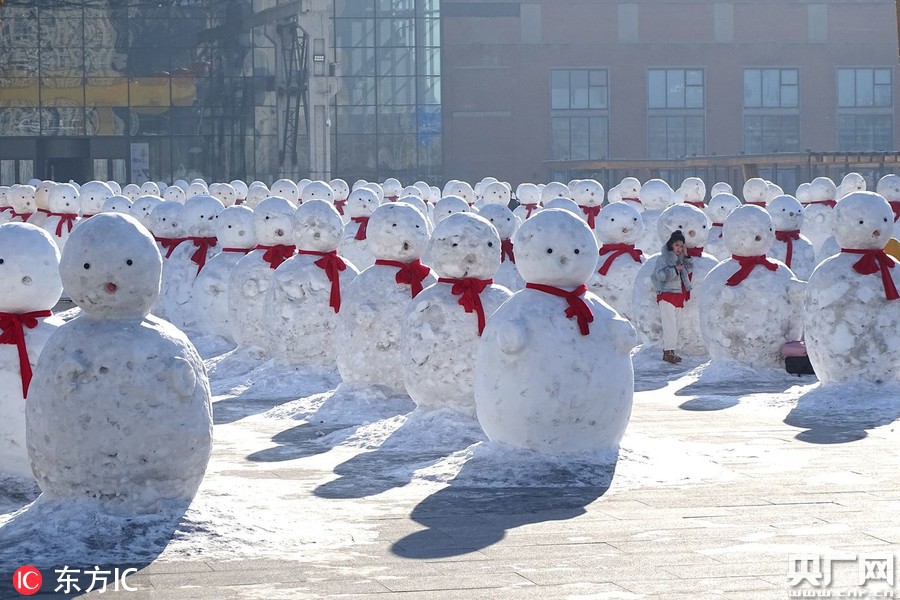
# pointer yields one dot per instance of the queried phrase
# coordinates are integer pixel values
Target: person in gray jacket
(672, 279)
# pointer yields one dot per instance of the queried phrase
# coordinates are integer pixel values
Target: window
(675, 136)
(579, 119)
(771, 88)
(865, 110)
(675, 88)
(579, 89)
(766, 134)
(676, 120)
(771, 111)
(579, 138)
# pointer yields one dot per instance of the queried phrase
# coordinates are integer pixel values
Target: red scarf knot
(618, 250)
(363, 224)
(391, 198)
(169, 244)
(697, 203)
(895, 206)
(239, 201)
(411, 273)
(3, 209)
(67, 219)
(578, 308)
(788, 237)
(339, 205)
(13, 327)
(277, 254)
(86, 216)
(469, 291)
(332, 264)
(748, 263)
(244, 250)
(829, 203)
(694, 252)
(506, 251)
(203, 244)
(529, 208)
(591, 213)
(23, 216)
(872, 262)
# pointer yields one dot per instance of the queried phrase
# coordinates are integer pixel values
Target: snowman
(189, 258)
(720, 206)
(131, 191)
(750, 304)
(341, 193)
(554, 189)
(148, 188)
(42, 202)
(392, 188)
(361, 203)
(235, 233)
(142, 209)
(619, 226)
(317, 190)
(851, 182)
(773, 190)
(889, 188)
(756, 191)
(449, 205)
(196, 188)
(29, 274)
(494, 192)
(694, 224)
(224, 192)
(553, 369)
(529, 197)
(173, 193)
(817, 224)
(257, 194)
(240, 191)
(92, 196)
(656, 196)
(305, 295)
(790, 247)
(119, 204)
(506, 224)
(119, 407)
(629, 190)
(588, 194)
(462, 189)
(720, 187)
(853, 307)
(367, 335)
(64, 207)
(442, 325)
(693, 192)
(5, 208)
(250, 278)
(21, 199)
(167, 227)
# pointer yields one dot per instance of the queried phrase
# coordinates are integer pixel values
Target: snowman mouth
(758, 238)
(876, 233)
(110, 287)
(406, 245)
(692, 233)
(625, 230)
(26, 280)
(279, 232)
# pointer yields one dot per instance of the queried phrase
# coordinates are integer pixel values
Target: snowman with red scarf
(619, 227)
(852, 303)
(361, 203)
(506, 223)
(553, 370)
(791, 247)
(750, 304)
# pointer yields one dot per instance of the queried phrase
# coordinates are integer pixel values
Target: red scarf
(203, 244)
(469, 289)
(578, 308)
(872, 262)
(529, 208)
(617, 251)
(694, 252)
(363, 224)
(169, 244)
(86, 216)
(748, 263)
(277, 254)
(339, 205)
(719, 225)
(239, 201)
(506, 251)
(635, 200)
(829, 203)
(13, 327)
(591, 213)
(411, 273)
(244, 250)
(24, 216)
(45, 211)
(895, 206)
(64, 219)
(788, 237)
(698, 203)
(332, 264)
(759, 204)
(391, 198)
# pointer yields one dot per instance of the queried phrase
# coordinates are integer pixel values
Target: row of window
(676, 119)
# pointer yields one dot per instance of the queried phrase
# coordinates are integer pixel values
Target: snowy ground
(305, 470)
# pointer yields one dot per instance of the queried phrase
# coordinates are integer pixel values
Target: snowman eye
(885, 219)
(129, 262)
(1, 261)
(577, 251)
(87, 265)
(490, 244)
(549, 250)
(612, 220)
(267, 218)
(860, 222)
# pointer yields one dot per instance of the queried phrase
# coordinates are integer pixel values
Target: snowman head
(755, 190)
(149, 188)
(21, 198)
(863, 221)
(64, 199)
(340, 188)
(889, 187)
(317, 190)
(554, 189)
(42, 194)
(234, 227)
(556, 248)
(197, 188)
(690, 220)
(786, 212)
(377, 189)
(166, 220)
(361, 202)
(720, 187)
(614, 194)
(528, 193)
(426, 191)
(397, 231)
(720, 206)
(111, 267)
(656, 194)
(822, 188)
(412, 190)
(619, 223)
(225, 192)
(420, 205)
(131, 191)
(92, 196)
(587, 192)
(358, 184)
(496, 193)
(173, 193)
(465, 245)
(392, 187)
(501, 218)
(773, 190)
(852, 182)
(240, 188)
(115, 187)
(449, 205)
(255, 195)
(694, 189)
(273, 222)
(802, 194)
(318, 226)
(630, 187)
(287, 189)
(566, 204)
(459, 188)
(4, 199)
(118, 204)
(748, 231)
(143, 208)
(29, 269)
(199, 213)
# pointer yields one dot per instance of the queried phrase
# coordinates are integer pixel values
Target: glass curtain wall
(388, 106)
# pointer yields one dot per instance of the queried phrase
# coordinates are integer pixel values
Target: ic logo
(27, 580)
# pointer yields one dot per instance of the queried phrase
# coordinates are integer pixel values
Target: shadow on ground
(709, 403)
(839, 414)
